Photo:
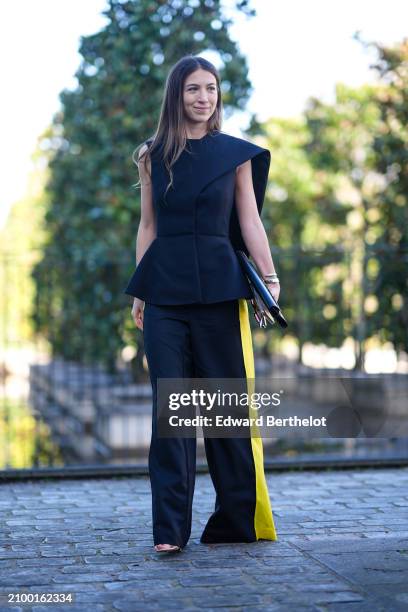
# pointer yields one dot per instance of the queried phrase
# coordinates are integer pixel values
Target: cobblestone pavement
(343, 545)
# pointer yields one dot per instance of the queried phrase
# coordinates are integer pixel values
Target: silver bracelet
(271, 281)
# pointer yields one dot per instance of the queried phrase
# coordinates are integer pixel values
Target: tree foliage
(390, 244)
(339, 211)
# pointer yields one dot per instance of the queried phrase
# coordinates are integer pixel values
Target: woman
(201, 196)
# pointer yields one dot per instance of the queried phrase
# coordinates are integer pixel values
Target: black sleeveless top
(193, 259)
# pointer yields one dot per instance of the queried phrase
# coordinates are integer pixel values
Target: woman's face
(200, 96)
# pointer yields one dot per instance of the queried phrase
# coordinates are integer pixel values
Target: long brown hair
(170, 136)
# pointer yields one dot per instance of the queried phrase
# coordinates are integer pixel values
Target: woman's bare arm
(146, 232)
(252, 229)
(147, 227)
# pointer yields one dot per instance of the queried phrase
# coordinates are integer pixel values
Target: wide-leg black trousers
(204, 341)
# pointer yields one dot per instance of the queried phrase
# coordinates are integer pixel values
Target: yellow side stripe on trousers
(263, 520)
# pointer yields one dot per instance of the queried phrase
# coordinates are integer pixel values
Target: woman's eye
(195, 89)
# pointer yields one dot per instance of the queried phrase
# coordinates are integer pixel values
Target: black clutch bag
(266, 308)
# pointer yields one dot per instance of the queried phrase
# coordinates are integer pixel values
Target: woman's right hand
(137, 312)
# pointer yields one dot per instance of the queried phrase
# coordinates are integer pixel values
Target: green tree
(360, 145)
(289, 218)
(341, 151)
(390, 244)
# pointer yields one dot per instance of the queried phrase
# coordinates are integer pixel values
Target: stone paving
(343, 545)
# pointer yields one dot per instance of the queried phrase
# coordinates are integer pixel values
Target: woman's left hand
(274, 290)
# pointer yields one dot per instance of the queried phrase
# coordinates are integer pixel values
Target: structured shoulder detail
(228, 153)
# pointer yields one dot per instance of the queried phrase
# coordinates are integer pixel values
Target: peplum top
(193, 259)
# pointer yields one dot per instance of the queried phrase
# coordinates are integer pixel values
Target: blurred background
(323, 86)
